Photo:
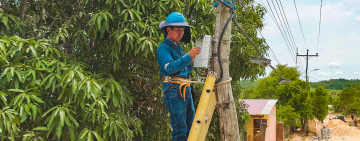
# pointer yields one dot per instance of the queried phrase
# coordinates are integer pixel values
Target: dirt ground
(340, 131)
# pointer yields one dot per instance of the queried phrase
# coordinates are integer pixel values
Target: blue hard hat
(176, 19)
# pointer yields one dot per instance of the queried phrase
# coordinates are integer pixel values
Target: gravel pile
(344, 130)
(335, 122)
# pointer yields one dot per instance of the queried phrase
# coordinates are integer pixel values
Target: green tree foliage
(347, 95)
(246, 84)
(243, 117)
(354, 107)
(247, 94)
(288, 116)
(293, 97)
(320, 102)
(348, 100)
(86, 70)
(289, 73)
(265, 88)
(336, 105)
(47, 95)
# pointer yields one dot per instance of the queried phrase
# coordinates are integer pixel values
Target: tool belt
(178, 80)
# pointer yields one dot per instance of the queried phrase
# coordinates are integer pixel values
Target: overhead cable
(317, 49)
(286, 41)
(272, 15)
(287, 24)
(277, 60)
(300, 25)
(249, 40)
(282, 25)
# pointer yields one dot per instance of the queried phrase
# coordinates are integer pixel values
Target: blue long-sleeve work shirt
(171, 63)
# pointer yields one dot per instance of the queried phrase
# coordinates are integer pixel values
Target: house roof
(260, 106)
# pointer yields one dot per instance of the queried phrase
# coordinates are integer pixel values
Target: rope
(198, 82)
(223, 82)
(195, 78)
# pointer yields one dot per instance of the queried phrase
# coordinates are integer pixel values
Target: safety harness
(177, 80)
(183, 82)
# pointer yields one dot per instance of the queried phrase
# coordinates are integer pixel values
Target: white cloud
(324, 73)
(339, 72)
(357, 18)
(335, 64)
(356, 72)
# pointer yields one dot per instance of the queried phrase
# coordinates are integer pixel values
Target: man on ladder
(175, 65)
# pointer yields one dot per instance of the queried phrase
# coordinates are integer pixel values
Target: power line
(279, 29)
(288, 29)
(287, 23)
(317, 49)
(315, 78)
(301, 66)
(272, 15)
(282, 24)
(319, 27)
(277, 60)
(300, 25)
(273, 54)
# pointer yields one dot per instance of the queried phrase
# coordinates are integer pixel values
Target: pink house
(262, 111)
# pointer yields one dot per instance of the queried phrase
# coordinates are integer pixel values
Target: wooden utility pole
(306, 75)
(307, 60)
(226, 109)
(307, 56)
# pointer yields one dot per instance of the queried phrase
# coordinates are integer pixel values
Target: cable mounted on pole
(248, 38)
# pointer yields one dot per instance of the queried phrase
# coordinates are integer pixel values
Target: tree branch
(22, 9)
(52, 16)
(6, 8)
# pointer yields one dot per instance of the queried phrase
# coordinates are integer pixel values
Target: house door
(257, 134)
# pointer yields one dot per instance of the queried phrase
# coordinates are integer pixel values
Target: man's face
(175, 34)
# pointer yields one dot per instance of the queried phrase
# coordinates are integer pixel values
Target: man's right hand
(194, 51)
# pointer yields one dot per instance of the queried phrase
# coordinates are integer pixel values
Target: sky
(339, 40)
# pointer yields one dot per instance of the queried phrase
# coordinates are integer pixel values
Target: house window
(257, 125)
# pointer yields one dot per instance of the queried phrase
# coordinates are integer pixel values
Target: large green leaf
(40, 128)
(102, 53)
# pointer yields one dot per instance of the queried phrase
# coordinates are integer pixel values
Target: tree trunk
(229, 127)
(22, 9)
(5, 6)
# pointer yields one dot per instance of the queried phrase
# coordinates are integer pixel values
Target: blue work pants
(182, 112)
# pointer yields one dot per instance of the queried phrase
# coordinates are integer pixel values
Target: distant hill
(336, 84)
(333, 84)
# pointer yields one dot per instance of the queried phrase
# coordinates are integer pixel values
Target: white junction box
(202, 60)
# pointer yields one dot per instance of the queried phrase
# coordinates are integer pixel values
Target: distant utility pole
(306, 75)
(307, 60)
